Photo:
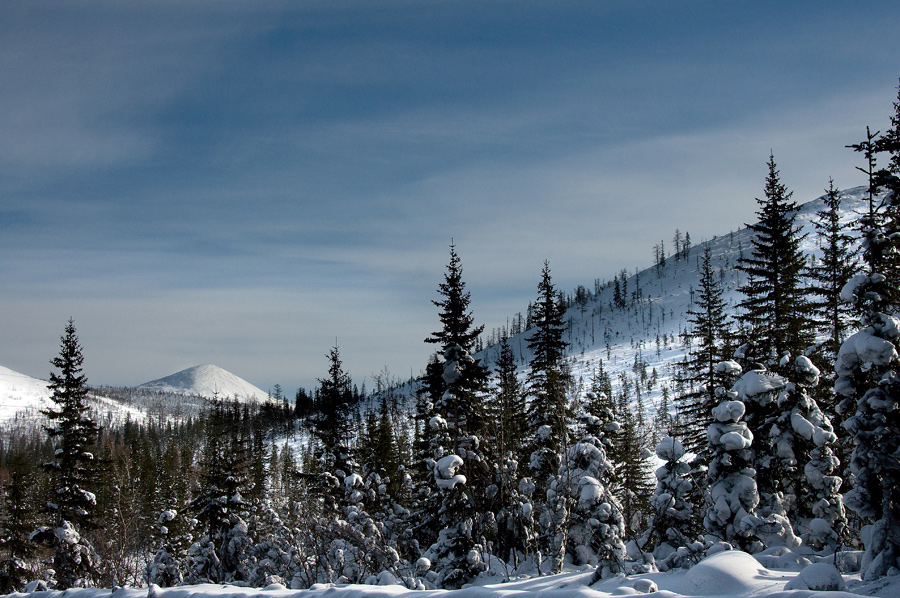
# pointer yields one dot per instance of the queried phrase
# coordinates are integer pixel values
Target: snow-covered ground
(730, 574)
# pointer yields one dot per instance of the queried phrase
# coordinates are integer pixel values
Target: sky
(251, 183)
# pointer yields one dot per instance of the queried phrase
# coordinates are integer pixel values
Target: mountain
(207, 381)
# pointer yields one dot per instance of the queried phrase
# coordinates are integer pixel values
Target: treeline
(783, 432)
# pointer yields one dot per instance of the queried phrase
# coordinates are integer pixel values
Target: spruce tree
(709, 333)
(775, 311)
(548, 415)
(508, 410)
(219, 555)
(74, 434)
(868, 368)
(463, 408)
(548, 381)
(673, 533)
(832, 271)
(456, 474)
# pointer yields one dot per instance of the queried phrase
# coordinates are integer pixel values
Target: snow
(445, 472)
(728, 411)
(729, 573)
(669, 449)
(726, 574)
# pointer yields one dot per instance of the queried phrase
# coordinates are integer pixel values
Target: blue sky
(249, 183)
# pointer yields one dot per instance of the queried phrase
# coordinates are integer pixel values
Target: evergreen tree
(732, 480)
(220, 555)
(673, 532)
(334, 400)
(452, 414)
(868, 370)
(634, 485)
(775, 311)
(457, 321)
(462, 408)
(74, 434)
(547, 382)
(709, 332)
(508, 411)
(548, 414)
(834, 270)
(456, 555)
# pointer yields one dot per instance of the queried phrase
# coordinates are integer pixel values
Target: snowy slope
(617, 336)
(22, 398)
(731, 574)
(207, 381)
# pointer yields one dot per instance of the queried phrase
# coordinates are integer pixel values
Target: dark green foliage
(709, 334)
(74, 435)
(548, 381)
(16, 523)
(832, 272)
(507, 409)
(775, 311)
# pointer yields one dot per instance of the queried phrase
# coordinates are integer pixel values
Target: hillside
(648, 330)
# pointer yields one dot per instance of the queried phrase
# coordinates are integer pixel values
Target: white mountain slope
(22, 398)
(207, 381)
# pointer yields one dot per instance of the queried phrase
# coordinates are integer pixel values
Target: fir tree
(547, 381)
(74, 434)
(673, 532)
(548, 414)
(775, 311)
(462, 408)
(709, 332)
(834, 270)
(509, 405)
(868, 376)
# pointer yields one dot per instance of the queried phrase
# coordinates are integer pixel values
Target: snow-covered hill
(649, 330)
(22, 398)
(207, 381)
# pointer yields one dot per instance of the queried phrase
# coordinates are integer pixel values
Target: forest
(784, 430)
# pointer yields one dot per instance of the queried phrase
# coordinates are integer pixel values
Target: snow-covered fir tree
(673, 533)
(868, 369)
(596, 526)
(732, 479)
(548, 416)
(709, 334)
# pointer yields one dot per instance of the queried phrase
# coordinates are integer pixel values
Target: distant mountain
(207, 381)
